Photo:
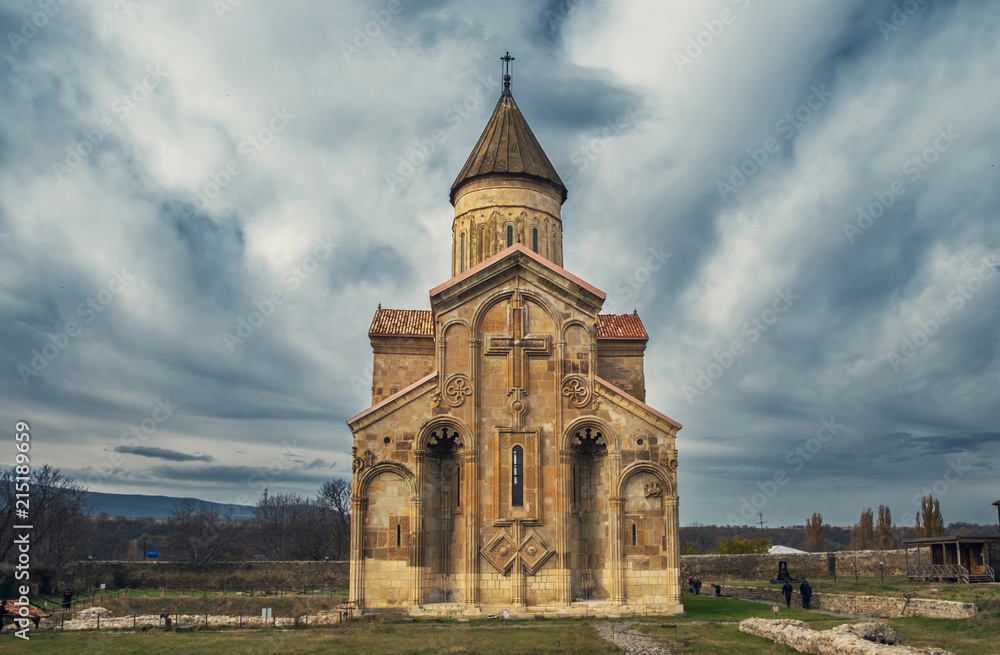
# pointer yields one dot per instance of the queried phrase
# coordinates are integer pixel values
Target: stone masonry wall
(884, 607)
(810, 565)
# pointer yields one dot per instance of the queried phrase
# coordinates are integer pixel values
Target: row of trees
(283, 527)
(883, 535)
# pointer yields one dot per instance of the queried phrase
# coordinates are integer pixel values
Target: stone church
(508, 460)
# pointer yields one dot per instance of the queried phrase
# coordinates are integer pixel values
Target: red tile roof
(420, 323)
(402, 323)
(620, 326)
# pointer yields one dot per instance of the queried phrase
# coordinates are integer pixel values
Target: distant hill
(152, 507)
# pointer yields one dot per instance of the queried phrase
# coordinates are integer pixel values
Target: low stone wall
(811, 565)
(838, 640)
(221, 575)
(882, 607)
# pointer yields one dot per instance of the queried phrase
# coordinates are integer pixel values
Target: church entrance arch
(590, 513)
(442, 453)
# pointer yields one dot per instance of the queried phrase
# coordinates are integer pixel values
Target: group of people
(694, 586)
(804, 589)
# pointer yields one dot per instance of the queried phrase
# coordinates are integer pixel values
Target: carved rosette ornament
(359, 463)
(577, 390)
(457, 388)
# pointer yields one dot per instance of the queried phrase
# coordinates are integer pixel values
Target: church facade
(508, 460)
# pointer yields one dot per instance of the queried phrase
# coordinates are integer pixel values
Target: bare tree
(929, 521)
(200, 534)
(336, 495)
(885, 531)
(57, 510)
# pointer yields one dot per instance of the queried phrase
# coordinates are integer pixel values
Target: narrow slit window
(575, 497)
(482, 243)
(461, 255)
(517, 477)
(633, 534)
(534, 239)
(510, 235)
(458, 486)
(399, 535)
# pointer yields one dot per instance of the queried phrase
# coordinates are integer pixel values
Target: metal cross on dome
(506, 59)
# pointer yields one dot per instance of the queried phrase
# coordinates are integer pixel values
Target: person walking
(697, 586)
(691, 584)
(67, 599)
(787, 590)
(806, 592)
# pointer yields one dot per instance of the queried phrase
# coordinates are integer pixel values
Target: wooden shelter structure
(965, 559)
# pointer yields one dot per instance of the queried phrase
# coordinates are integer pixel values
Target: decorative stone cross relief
(517, 347)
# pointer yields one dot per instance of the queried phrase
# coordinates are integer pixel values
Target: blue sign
(152, 554)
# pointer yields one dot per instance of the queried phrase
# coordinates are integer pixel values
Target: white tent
(783, 550)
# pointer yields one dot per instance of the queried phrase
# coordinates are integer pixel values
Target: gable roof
(521, 249)
(508, 147)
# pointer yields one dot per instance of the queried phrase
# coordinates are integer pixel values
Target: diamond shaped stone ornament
(500, 552)
(534, 552)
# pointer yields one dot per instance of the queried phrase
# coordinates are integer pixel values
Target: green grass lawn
(709, 625)
(450, 638)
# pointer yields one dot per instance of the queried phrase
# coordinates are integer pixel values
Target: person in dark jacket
(3, 612)
(806, 592)
(787, 590)
(67, 599)
(697, 586)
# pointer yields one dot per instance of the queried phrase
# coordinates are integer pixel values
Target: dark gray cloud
(163, 453)
(892, 334)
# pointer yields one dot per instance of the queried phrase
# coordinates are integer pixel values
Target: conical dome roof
(507, 147)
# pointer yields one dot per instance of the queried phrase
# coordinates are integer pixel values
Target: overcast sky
(800, 199)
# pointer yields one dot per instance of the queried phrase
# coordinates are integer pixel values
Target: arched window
(399, 536)
(633, 534)
(461, 255)
(534, 239)
(510, 235)
(517, 477)
(482, 243)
